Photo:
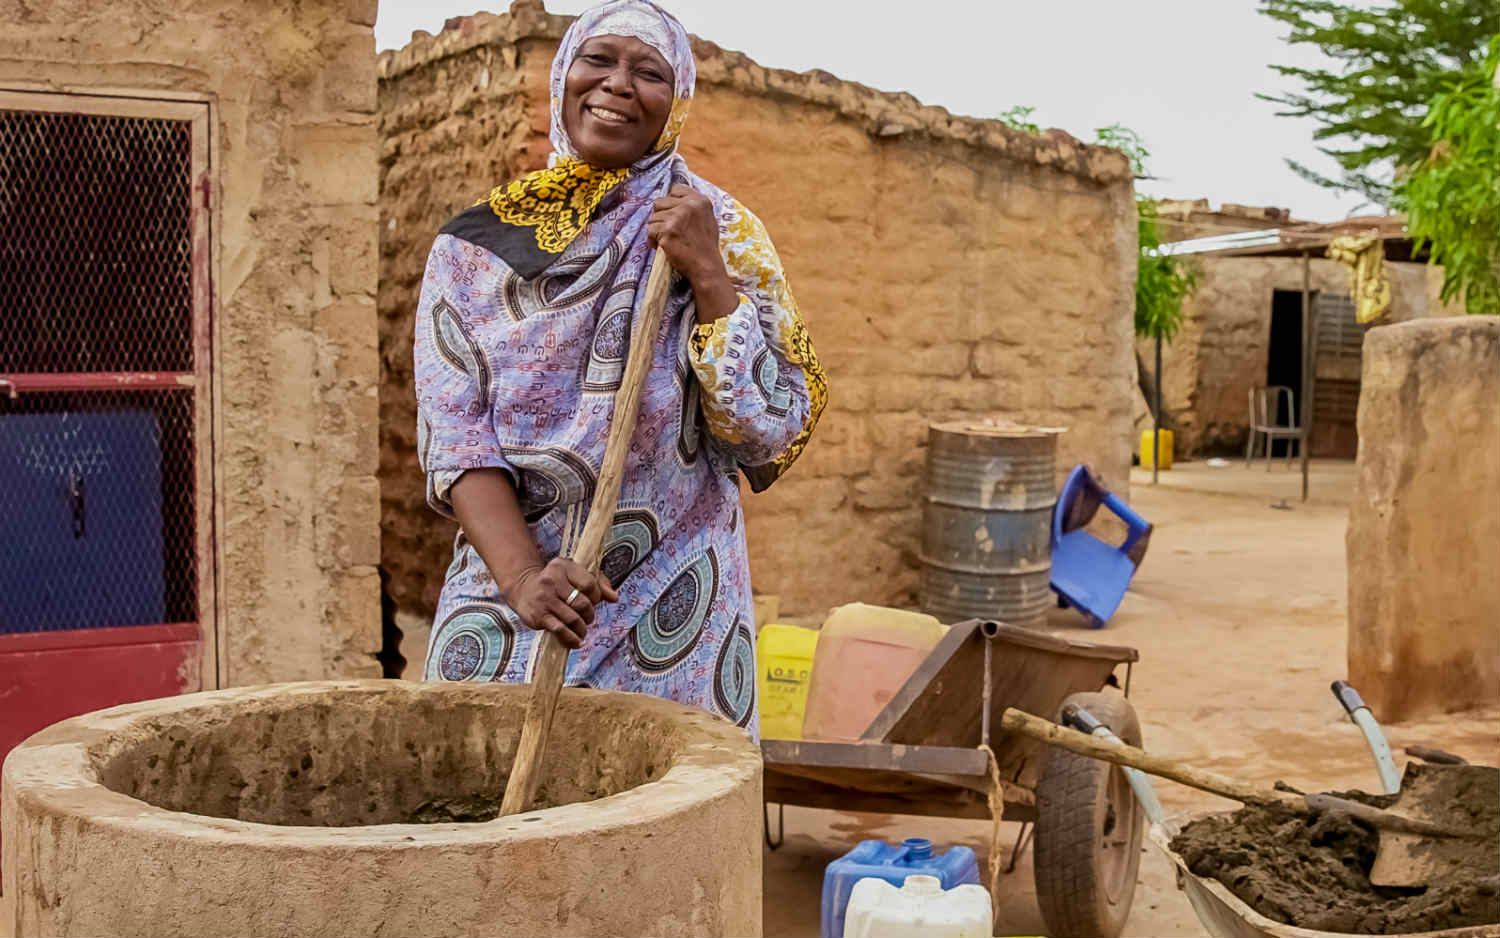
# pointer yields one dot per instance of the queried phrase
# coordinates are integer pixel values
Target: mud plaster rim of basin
(1161, 835)
(52, 771)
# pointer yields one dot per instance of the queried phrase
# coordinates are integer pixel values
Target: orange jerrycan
(865, 653)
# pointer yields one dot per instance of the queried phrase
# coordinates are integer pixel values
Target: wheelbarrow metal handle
(1380, 750)
(1085, 722)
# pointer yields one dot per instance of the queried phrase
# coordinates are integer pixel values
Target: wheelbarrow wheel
(1088, 831)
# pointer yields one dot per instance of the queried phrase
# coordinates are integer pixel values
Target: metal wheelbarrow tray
(1225, 915)
(924, 755)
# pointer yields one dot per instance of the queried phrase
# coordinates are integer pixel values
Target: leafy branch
(1391, 61)
(1452, 196)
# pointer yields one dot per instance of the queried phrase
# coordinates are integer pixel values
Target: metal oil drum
(986, 522)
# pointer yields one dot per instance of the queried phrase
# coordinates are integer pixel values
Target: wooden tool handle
(1121, 754)
(552, 657)
(1387, 820)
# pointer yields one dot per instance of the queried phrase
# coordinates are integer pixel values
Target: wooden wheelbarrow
(936, 750)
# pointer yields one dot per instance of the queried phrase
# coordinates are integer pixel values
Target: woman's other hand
(683, 225)
(539, 595)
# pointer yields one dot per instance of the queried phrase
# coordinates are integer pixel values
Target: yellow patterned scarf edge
(557, 202)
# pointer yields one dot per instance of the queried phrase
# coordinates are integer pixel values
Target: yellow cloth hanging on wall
(1368, 284)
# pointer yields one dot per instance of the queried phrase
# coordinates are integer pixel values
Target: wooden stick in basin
(552, 657)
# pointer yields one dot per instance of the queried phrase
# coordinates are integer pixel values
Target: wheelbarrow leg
(1022, 840)
(765, 816)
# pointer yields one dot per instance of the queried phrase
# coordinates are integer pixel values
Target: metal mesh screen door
(105, 406)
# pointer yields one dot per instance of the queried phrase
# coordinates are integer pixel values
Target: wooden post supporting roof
(1309, 368)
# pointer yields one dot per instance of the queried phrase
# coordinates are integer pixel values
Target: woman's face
(616, 100)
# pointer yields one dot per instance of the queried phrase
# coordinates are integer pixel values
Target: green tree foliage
(1161, 282)
(1128, 142)
(1452, 198)
(1019, 117)
(1393, 60)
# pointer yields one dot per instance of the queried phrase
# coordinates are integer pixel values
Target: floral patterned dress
(520, 375)
(526, 313)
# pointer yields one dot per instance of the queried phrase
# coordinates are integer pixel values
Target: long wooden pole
(552, 657)
(1309, 367)
(1156, 422)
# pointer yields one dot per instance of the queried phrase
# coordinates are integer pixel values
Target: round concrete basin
(370, 807)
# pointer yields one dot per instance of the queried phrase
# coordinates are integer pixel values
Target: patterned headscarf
(549, 208)
(575, 239)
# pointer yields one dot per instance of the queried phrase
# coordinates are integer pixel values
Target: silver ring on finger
(571, 596)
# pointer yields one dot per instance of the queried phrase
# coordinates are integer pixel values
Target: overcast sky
(1182, 73)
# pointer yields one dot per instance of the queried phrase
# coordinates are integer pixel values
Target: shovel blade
(1464, 797)
(1418, 860)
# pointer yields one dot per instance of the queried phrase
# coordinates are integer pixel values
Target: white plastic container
(919, 909)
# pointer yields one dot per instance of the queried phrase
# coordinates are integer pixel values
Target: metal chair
(1265, 414)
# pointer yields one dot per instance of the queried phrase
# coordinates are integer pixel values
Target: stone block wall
(293, 148)
(1221, 352)
(946, 267)
(1424, 530)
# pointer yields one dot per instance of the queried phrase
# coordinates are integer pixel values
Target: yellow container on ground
(784, 654)
(1166, 449)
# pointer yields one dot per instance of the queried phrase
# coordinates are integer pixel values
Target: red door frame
(50, 676)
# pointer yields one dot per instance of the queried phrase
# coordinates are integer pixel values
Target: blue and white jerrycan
(892, 864)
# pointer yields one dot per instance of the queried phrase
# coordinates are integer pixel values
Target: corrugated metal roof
(1297, 239)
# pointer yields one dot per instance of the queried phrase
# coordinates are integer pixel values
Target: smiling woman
(617, 99)
(526, 312)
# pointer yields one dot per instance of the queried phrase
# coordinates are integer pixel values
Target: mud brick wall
(293, 147)
(1424, 528)
(946, 267)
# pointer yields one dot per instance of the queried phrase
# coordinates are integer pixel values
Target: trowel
(1441, 795)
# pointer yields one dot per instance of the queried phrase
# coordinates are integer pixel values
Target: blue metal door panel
(80, 520)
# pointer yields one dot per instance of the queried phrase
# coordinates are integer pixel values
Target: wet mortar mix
(1314, 872)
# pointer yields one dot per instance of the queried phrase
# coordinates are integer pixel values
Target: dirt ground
(1239, 615)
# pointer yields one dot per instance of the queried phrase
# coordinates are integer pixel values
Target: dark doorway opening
(1284, 358)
